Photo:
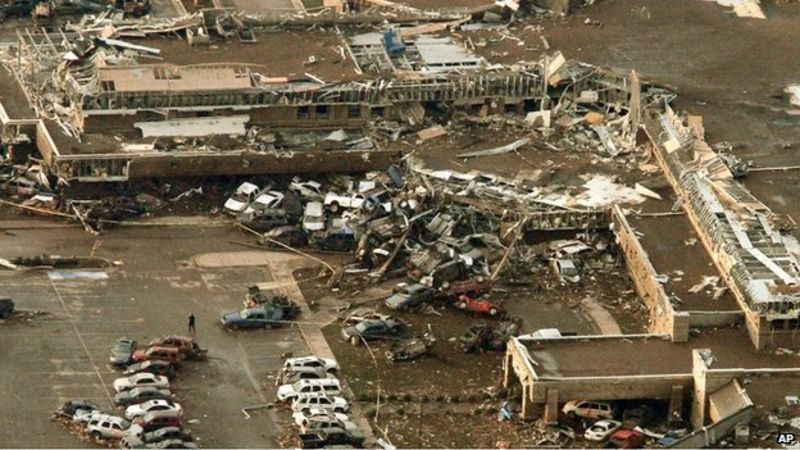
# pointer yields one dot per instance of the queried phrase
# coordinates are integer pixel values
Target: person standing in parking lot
(192, 329)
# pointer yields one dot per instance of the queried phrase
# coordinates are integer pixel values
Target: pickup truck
(334, 201)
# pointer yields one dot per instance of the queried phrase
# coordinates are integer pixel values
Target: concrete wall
(663, 317)
(714, 319)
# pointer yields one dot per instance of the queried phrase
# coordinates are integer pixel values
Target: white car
(323, 422)
(314, 217)
(144, 379)
(310, 361)
(302, 417)
(310, 190)
(601, 430)
(589, 409)
(305, 402)
(264, 201)
(334, 201)
(136, 411)
(244, 194)
(107, 426)
(325, 386)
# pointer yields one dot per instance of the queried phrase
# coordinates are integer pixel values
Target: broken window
(108, 86)
(303, 112)
(354, 112)
(378, 111)
(322, 112)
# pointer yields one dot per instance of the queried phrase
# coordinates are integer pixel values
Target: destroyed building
(112, 109)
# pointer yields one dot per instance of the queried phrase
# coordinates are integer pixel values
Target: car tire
(334, 207)
(493, 311)
(96, 435)
(462, 305)
(355, 341)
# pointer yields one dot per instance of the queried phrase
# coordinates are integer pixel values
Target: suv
(327, 386)
(305, 373)
(305, 402)
(106, 426)
(589, 409)
(292, 364)
(316, 423)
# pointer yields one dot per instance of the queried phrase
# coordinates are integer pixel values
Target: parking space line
(83, 343)
(246, 366)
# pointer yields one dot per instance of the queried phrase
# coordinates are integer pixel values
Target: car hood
(120, 356)
(234, 205)
(286, 390)
(231, 317)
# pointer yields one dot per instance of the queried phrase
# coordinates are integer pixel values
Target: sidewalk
(281, 265)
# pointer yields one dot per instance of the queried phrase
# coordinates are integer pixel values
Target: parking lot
(64, 354)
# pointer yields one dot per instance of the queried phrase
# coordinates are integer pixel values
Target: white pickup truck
(334, 201)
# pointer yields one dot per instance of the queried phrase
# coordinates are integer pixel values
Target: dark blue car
(252, 318)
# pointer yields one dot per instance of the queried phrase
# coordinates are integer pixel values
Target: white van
(327, 386)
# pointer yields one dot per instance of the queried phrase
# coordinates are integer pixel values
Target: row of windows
(323, 112)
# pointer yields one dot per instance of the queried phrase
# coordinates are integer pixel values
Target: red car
(472, 288)
(185, 345)
(169, 354)
(479, 305)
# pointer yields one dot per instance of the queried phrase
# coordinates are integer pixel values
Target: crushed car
(369, 330)
(411, 349)
(409, 296)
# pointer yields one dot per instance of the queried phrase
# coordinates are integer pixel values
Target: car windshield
(363, 326)
(240, 197)
(243, 314)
